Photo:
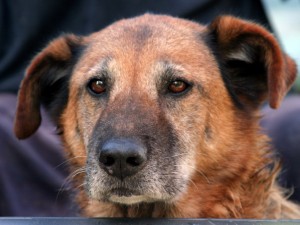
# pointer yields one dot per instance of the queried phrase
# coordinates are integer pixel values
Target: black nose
(122, 157)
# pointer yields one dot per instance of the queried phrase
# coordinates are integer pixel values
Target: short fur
(206, 156)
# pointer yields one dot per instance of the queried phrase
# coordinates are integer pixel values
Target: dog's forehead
(143, 27)
(141, 44)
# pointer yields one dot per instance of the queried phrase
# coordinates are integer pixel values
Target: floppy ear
(254, 67)
(46, 82)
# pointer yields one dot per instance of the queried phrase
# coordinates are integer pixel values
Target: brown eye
(97, 86)
(178, 86)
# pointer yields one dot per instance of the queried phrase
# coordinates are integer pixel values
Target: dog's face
(151, 104)
(132, 103)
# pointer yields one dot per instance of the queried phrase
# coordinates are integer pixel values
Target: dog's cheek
(93, 180)
(96, 180)
(73, 125)
(162, 176)
(188, 120)
(89, 111)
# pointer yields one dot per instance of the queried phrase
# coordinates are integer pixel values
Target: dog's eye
(177, 86)
(97, 86)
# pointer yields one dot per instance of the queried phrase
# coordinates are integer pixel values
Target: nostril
(133, 161)
(107, 161)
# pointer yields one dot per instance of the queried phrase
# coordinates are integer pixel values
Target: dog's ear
(254, 67)
(46, 82)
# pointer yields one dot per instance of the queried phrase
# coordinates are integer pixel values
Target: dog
(159, 117)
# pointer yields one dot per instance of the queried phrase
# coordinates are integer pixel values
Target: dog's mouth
(127, 196)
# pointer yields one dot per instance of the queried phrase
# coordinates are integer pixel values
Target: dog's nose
(122, 157)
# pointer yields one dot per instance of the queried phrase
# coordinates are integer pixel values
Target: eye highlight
(97, 86)
(178, 86)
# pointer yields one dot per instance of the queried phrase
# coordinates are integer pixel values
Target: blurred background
(284, 18)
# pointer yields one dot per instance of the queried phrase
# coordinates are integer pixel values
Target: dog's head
(148, 105)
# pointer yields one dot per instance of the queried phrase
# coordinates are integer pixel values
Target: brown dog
(159, 116)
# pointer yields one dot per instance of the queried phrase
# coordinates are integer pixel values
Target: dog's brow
(101, 68)
(170, 70)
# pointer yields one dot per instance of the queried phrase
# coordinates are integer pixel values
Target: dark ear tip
(24, 128)
(23, 133)
(20, 134)
(274, 104)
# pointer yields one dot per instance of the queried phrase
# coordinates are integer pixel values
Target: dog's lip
(124, 192)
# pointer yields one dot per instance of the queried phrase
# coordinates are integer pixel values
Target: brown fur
(208, 157)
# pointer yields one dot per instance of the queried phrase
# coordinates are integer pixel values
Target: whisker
(68, 180)
(69, 160)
